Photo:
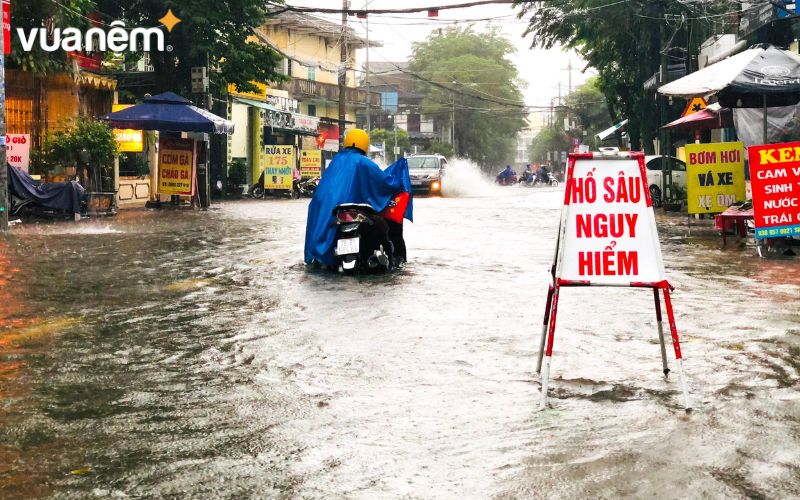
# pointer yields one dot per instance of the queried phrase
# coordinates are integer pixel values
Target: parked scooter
(306, 187)
(368, 241)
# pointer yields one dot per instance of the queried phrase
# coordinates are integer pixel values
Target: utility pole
(369, 94)
(3, 173)
(569, 72)
(343, 73)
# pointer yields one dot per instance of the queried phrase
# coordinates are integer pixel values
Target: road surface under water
(189, 354)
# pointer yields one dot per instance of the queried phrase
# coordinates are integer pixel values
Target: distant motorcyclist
(542, 175)
(351, 177)
(506, 174)
(527, 175)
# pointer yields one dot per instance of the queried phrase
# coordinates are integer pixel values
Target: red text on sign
(608, 263)
(606, 225)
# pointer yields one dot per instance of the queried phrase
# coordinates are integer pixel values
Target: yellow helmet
(357, 138)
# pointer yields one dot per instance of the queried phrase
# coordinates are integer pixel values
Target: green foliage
(85, 141)
(623, 42)
(587, 104)
(381, 135)
(210, 33)
(548, 140)
(468, 73)
(441, 148)
(29, 14)
(237, 173)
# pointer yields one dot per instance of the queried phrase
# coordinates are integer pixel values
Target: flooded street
(191, 354)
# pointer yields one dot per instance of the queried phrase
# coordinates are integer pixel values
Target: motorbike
(506, 181)
(299, 188)
(368, 241)
(550, 180)
(32, 198)
(306, 187)
(526, 179)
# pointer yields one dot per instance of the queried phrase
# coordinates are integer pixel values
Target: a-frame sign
(608, 237)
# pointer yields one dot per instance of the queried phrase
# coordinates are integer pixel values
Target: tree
(438, 147)
(587, 104)
(387, 137)
(467, 74)
(550, 139)
(31, 14)
(211, 33)
(624, 42)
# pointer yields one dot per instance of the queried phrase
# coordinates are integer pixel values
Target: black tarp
(65, 196)
(773, 74)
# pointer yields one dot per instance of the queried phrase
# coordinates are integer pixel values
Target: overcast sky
(542, 69)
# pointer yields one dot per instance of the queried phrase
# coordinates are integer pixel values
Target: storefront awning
(256, 104)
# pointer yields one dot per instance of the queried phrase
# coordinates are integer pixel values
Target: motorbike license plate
(347, 246)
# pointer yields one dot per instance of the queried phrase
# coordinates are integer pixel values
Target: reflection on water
(191, 354)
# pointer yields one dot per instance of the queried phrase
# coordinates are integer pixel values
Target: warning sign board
(775, 179)
(694, 105)
(609, 231)
(608, 237)
(714, 176)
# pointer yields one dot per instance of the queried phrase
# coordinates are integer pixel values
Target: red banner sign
(775, 180)
(7, 26)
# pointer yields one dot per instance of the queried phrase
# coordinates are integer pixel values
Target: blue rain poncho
(350, 178)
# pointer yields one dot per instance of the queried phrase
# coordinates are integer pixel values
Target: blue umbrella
(169, 112)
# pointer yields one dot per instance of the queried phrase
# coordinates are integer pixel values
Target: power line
(364, 12)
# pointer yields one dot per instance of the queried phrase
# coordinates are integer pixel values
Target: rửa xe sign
(607, 237)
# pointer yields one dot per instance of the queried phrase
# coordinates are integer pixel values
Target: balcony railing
(300, 88)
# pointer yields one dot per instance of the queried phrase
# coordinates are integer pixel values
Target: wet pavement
(188, 354)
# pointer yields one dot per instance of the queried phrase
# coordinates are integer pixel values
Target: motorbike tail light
(349, 216)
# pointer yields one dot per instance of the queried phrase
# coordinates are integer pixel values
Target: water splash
(464, 179)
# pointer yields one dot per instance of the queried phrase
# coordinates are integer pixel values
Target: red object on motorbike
(397, 208)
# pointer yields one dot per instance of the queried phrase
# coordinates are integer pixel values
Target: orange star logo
(169, 20)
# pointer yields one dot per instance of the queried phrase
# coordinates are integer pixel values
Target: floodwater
(191, 354)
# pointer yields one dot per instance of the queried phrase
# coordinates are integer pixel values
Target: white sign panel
(610, 235)
(18, 150)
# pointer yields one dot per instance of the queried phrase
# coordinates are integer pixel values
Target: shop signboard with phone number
(775, 180)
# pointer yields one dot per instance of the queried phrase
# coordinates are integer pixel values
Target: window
(312, 110)
(312, 73)
(389, 101)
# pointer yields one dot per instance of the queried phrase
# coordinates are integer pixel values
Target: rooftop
(312, 25)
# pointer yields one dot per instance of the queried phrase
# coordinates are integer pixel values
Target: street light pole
(343, 73)
(369, 94)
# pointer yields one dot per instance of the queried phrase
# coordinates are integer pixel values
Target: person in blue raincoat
(350, 178)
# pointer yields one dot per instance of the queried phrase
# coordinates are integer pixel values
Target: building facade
(303, 111)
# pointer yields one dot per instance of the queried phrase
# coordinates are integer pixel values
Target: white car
(427, 172)
(653, 166)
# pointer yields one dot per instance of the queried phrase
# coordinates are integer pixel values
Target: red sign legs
(546, 350)
(676, 344)
(661, 332)
(544, 327)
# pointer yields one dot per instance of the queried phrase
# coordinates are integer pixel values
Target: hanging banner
(18, 151)
(176, 166)
(128, 140)
(279, 165)
(7, 26)
(310, 163)
(714, 176)
(775, 180)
